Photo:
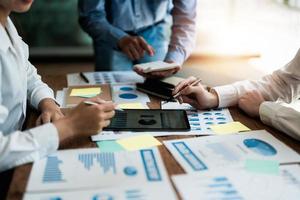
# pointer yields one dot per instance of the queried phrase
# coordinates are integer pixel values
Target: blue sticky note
(262, 166)
(109, 146)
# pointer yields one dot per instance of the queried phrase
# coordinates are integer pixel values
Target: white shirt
(20, 82)
(281, 89)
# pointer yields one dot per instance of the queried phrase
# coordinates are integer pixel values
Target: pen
(95, 103)
(84, 77)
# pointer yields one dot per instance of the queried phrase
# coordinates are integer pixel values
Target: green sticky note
(109, 146)
(262, 166)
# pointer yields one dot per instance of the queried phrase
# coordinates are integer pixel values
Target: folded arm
(282, 116)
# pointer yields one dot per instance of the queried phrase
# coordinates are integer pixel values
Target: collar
(5, 40)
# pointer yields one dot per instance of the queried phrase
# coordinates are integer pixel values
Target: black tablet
(149, 120)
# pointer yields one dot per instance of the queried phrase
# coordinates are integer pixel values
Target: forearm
(281, 116)
(48, 103)
(183, 31)
(92, 18)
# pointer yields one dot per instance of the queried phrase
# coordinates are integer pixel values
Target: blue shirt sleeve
(92, 18)
(183, 31)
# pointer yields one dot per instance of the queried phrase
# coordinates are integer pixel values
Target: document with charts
(239, 184)
(84, 169)
(203, 153)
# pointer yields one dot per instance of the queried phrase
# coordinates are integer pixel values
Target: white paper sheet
(83, 169)
(239, 184)
(60, 98)
(105, 77)
(137, 192)
(203, 153)
(128, 94)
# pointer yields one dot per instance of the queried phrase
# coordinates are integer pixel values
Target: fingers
(109, 115)
(128, 53)
(105, 123)
(148, 48)
(164, 73)
(107, 107)
(43, 118)
(38, 121)
(183, 84)
(134, 52)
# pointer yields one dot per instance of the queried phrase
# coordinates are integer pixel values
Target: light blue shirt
(108, 21)
(20, 82)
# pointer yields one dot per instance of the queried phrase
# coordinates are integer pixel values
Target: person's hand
(158, 74)
(50, 112)
(250, 103)
(86, 120)
(197, 95)
(135, 47)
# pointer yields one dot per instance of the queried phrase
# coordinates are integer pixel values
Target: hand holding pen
(192, 92)
(176, 94)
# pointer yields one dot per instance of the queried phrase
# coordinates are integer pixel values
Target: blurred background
(236, 39)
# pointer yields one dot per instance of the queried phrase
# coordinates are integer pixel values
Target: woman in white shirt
(20, 82)
(274, 98)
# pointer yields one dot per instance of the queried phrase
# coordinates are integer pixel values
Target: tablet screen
(149, 120)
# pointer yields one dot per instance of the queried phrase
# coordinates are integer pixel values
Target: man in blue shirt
(126, 32)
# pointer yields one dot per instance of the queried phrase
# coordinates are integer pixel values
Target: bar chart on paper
(106, 161)
(75, 169)
(52, 172)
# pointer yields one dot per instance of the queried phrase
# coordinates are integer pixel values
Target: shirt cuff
(175, 57)
(117, 35)
(267, 111)
(40, 95)
(227, 95)
(47, 138)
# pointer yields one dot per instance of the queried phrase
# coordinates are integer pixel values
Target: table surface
(57, 82)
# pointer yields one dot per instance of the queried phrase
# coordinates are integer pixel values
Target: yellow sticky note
(132, 106)
(85, 92)
(138, 142)
(231, 127)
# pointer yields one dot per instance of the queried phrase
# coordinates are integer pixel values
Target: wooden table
(21, 174)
